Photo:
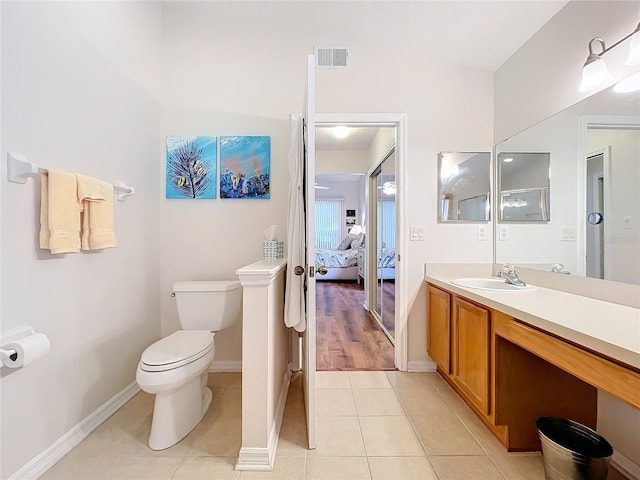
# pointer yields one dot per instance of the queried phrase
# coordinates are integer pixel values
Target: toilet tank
(208, 305)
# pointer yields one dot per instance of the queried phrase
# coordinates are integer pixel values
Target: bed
(343, 264)
(387, 263)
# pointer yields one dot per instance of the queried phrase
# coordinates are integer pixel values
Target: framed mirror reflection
(523, 187)
(464, 187)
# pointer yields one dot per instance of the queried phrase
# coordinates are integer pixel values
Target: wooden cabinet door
(438, 327)
(471, 349)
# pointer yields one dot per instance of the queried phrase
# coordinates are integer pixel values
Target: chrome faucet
(510, 275)
(559, 268)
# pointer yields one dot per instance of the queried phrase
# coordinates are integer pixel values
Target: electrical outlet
(503, 232)
(482, 232)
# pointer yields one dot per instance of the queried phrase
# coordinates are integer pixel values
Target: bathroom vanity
(517, 356)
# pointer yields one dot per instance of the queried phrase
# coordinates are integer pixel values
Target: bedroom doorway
(349, 337)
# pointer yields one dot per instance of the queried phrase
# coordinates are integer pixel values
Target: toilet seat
(177, 350)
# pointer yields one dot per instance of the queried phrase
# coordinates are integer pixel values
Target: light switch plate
(568, 234)
(416, 234)
(627, 222)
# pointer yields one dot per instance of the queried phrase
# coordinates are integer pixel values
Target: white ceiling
(474, 33)
(359, 138)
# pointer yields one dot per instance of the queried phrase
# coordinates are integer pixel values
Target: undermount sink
(495, 284)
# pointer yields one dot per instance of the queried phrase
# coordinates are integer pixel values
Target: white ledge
(262, 272)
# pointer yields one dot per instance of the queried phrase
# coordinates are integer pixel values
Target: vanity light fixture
(595, 73)
(629, 84)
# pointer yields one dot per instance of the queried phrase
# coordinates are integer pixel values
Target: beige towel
(59, 213)
(96, 204)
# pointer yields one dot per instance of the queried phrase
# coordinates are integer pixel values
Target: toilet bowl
(175, 368)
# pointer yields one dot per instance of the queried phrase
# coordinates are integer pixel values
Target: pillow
(358, 241)
(346, 242)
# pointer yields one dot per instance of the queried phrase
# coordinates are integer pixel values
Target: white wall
(247, 76)
(341, 161)
(78, 94)
(556, 54)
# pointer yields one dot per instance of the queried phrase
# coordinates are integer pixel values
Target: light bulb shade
(356, 230)
(634, 50)
(595, 74)
(629, 84)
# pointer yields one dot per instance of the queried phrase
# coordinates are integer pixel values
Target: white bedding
(387, 257)
(336, 258)
(332, 258)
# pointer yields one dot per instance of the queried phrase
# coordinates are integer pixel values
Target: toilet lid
(179, 348)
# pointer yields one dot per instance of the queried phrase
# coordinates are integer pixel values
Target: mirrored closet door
(382, 251)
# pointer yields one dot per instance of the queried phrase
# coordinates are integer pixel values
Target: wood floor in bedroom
(348, 337)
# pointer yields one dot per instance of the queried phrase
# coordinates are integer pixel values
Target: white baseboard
(262, 459)
(625, 466)
(47, 459)
(226, 366)
(422, 366)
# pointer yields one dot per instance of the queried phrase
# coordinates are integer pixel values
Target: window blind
(329, 222)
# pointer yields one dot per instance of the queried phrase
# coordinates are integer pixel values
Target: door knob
(298, 270)
(322, 270)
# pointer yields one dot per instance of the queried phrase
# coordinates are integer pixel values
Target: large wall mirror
(464, 187)
(593, 152)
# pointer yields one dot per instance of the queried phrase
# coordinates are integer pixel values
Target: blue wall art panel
(191, 167)
(245, 167)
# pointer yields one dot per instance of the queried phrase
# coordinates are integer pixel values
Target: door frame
(594, 122)
(399, 121)
(600, 235)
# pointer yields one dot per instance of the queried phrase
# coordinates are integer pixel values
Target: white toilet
(175, 367)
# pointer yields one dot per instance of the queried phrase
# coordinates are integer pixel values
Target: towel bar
(19, 169)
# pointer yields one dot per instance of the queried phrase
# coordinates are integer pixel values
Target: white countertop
(607, 328)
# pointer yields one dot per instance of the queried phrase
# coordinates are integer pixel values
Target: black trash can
(571, 451)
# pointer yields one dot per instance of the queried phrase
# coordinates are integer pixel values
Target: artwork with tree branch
(245, 164)
(191, 167)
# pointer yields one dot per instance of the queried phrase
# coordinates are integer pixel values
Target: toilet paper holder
(11, 336)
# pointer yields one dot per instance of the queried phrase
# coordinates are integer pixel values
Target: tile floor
(371, 425)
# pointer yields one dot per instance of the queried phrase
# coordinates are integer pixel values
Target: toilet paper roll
(28, 349)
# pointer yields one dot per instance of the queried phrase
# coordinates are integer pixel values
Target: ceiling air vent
(331, 57)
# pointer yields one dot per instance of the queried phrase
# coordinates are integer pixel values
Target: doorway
(596, 185)
(345, 313)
